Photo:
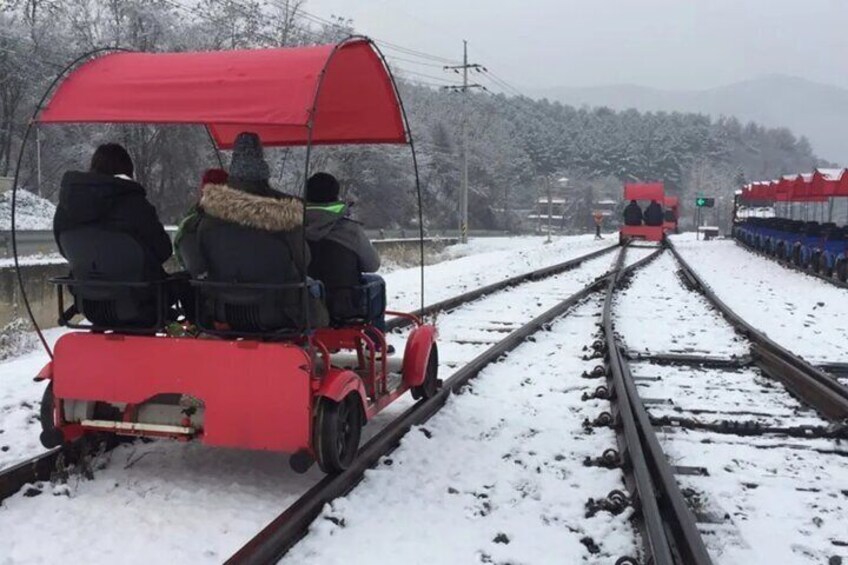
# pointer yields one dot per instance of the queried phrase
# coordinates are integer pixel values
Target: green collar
(333, 208)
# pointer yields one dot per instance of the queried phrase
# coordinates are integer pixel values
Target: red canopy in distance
(268, 91)
(644, 191)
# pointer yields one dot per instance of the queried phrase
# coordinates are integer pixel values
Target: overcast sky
(679, 44)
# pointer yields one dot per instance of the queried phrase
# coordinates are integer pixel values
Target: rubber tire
(842, 270)
(50, 435)
(430, 386)
(338, 428)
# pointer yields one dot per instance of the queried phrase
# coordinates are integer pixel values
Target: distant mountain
(817, 111)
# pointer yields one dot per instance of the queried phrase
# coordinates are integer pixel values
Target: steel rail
(789, 265)
(813, 385)
(274, 541)
(41, 467)
(670, 534)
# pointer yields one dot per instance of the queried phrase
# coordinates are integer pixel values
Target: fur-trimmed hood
(283, 213)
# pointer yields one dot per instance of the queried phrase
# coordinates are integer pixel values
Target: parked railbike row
(818, 246)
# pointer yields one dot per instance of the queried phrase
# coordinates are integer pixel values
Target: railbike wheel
(338, 427)
(430, 386)
(815, 263)
(842, 270)
(50, 436)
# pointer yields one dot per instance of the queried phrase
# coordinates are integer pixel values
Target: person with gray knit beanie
(248, 169)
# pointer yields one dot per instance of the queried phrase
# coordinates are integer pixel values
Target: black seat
(338, 268)
(114, 283)
(252, 284)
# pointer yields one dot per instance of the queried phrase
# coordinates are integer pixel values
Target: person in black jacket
(107, 196)
(654, 214)
(633, 214)
(343, 257)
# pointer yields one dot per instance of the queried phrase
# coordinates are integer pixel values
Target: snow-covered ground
(484, 261)
(804, 314)
(497, 476)
(173, 487)
(481, 261)
(655, 314)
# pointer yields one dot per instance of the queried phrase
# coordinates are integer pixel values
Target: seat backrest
(338, 268)
(240, 256)
(100, 255)
(189, 250)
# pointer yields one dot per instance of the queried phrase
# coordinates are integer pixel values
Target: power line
(443, 80)
(414, 62)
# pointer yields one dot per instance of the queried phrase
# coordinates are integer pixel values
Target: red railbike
(643, 192)
(306, 393)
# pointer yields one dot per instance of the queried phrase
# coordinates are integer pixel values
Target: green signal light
(700, 201)
(705, 202)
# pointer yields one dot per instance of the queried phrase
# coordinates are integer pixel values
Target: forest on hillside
(517, 146)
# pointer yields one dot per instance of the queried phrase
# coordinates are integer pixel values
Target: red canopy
(644, 191)
(825, 182)
(783, 190)
(671, 202)
(268, 91)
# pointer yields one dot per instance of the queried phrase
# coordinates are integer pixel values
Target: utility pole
(463, 193)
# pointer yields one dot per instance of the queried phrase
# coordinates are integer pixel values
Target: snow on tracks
(496, 476)
(803, 314)
(655, 314)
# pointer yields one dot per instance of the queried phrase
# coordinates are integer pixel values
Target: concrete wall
(41, 294)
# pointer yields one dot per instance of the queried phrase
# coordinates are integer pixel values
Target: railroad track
(42, 466)
(272, 543)
(537, 294)
(671, 531)
(671, 402)
(814, 385)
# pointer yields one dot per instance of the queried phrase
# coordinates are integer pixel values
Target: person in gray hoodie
(343, 257)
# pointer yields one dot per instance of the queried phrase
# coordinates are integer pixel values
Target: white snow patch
(32, 212)
(802, 313)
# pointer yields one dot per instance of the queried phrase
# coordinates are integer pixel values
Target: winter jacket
(329, 222)
(280, 214)
(632, 215)
(654, 214)
(277, 213)
(113, 203)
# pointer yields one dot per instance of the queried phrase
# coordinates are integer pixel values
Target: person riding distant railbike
(654, 214)
(633, 214)
(343, 257)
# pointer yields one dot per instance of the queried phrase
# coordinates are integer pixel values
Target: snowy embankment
(802, 313)
(31, 211)
(145, 489)
(759, 498)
